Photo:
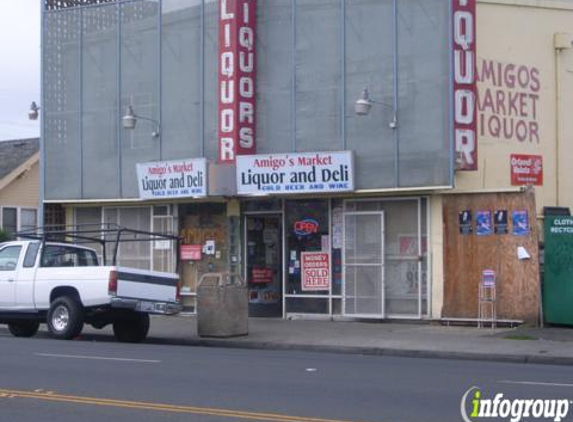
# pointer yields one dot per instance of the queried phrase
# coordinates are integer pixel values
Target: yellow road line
(49, 396)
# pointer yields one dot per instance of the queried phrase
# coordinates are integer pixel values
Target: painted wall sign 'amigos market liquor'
(295, 173)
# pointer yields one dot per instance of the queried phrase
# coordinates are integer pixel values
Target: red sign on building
(315, 271)
(237, 72)
(261, 275)
(465, 88)
(526, 169)
(191, 252)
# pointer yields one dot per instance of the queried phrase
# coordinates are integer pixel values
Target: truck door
(9, 260)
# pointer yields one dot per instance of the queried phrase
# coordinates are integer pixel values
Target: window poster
(261, 275)
(500, 221)
(483, 223)
(520, 223)
(465, 222)
(315, 271)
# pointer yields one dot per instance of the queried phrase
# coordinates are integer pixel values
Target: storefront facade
(337, 257)
(258, 158)
(524, 89)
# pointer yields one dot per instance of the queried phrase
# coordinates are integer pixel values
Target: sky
(19, 67)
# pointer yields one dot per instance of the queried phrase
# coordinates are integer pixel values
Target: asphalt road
(93, 380)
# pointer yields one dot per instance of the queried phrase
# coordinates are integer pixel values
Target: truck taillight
(178, 292)
(112, 284)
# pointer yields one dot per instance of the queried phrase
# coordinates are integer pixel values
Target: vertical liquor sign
(237, 72)
(465, 90)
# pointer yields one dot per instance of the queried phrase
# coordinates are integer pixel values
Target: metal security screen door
(363, 260)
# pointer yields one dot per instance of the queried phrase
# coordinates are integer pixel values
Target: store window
(405, 256)
(54, 216)
(264, 268)
(132, 254)
(89, 218)
(158, 255)
(308, 278)
(163, 250)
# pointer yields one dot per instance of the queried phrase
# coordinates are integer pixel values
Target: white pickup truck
(63, 285)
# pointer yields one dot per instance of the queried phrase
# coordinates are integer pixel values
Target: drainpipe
(561, 42)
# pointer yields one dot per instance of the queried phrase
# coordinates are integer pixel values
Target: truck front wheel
(24, 328)
(65, 318)
(133, 329)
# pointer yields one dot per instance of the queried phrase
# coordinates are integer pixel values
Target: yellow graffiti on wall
(198, 235)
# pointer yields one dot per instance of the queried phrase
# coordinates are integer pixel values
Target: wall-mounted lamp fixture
(364, 104)
(34, 111)
(129, 120)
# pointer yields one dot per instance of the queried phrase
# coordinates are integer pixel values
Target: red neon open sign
(306, 227)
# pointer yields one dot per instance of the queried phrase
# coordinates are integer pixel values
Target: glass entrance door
(264, 264)
(363, 293)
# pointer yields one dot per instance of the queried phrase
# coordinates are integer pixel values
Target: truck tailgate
(147, 285)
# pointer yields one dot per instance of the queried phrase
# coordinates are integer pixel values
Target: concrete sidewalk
(414, 339)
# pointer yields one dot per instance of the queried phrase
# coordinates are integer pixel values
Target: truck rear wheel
(24, 328)
(132, 330)
(65, 318)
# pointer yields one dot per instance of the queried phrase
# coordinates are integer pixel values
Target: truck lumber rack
(102, 234)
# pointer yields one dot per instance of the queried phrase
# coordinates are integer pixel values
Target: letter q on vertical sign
(464, 84)
(237, 79)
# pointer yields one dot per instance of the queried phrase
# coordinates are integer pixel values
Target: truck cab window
(9, 258)
(62, 256)
(31, 253)
(53, 256)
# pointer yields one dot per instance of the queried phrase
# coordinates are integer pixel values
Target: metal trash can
(222, 305)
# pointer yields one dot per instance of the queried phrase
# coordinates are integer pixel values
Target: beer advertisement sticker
(315, 271)
(526, 170)
(500, 221)
(483, 223)
(465, 221)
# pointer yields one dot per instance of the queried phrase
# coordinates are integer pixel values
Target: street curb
(238, 343)
(368, 351)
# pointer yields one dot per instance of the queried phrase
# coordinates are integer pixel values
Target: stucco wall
(526, 84)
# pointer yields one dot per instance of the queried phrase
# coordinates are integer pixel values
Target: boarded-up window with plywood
(467, 255)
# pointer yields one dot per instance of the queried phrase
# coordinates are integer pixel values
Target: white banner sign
(295, 173)
(172, 179)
